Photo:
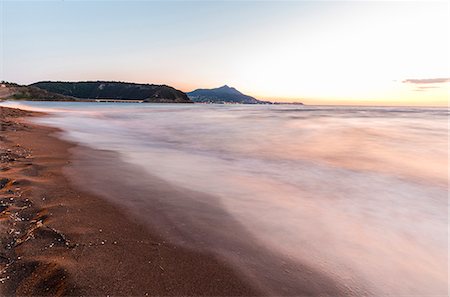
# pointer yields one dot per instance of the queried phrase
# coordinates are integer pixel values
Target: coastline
(59, 240)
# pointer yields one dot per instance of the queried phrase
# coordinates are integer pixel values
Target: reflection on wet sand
(356, 195)
(197, 221)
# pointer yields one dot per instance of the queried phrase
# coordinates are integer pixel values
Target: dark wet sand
(68, 229)
(67, 242)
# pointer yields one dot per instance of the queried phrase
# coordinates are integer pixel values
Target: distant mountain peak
(223, 94)
(227, 89)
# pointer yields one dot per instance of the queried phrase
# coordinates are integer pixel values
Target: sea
(287, 194)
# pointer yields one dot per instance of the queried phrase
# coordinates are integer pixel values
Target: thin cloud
(427, 87)
(427, 81)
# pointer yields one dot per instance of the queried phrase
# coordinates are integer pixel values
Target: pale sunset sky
(377, 53)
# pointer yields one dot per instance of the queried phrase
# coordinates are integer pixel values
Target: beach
(58, 240)
(224, 148)
(213, 200)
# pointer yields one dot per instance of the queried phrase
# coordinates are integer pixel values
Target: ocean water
(358, 195)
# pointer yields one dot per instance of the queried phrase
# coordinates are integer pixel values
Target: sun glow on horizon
(363, 54)
(395, 93)
(314, 52)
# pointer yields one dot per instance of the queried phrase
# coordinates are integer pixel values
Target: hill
(116, 91)
(12, 91)
(223, 94)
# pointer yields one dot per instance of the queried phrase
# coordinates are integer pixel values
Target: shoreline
(59, 240)
(283, 230)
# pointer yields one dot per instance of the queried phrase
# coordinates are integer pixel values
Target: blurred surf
(358, 193)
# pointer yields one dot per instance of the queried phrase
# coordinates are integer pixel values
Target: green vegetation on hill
(13, 91)
(116, 91)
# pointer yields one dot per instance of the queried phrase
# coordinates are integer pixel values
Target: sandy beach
(57, 240)
(96, 203)
(224, 148)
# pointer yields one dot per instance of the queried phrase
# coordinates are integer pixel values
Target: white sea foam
(359, 193)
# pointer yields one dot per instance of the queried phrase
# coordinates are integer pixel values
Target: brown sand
(58, 240)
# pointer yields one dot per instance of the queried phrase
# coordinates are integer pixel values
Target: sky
(321, 52)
